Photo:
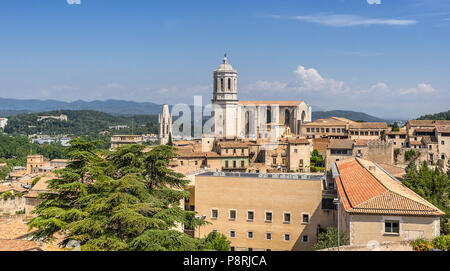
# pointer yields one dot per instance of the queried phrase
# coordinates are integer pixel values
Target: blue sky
(390, 58)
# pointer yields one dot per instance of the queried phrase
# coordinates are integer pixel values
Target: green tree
(433, 185)
(128, 200)
(216, 241)
(170, 143)
(329, 239)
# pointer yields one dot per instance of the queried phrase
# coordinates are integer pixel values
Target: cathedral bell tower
(225, 97)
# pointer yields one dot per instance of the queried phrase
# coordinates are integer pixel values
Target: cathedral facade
(252, 119)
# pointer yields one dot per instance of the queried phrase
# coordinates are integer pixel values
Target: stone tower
(165, 125)
(225, 96)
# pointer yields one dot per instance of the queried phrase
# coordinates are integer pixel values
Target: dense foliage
(329, 239)
(432, 185)
(83, 122)
(14, 150)
(126, 200)
(317, 162)
(437, 116)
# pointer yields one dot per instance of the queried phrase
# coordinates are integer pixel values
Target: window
(392, 226)
(214, 213)
(442, 142)
(232, 234)
(268, 236)
(234, 151)
(181, 162)
(333, 130)
(234, 164)
(308, 130)
(274, 160)
(229, 83)
(196, 163)
(328, 130)
(287, 237)
(338, 130)
(250, 215)
(442, 156)
(232, 214)
(268, 216)
(295, 150)
(221, 84)
(305, 238)
(317, 130)
(287, 218)
(250, 235)
(226, 164)
(305, 218)
(322, 130)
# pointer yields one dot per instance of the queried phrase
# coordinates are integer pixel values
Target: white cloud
(420, 89)
(74, 2)
(311, 80)
(376, 2)
(345, 20)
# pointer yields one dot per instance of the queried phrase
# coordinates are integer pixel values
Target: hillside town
(269, 178)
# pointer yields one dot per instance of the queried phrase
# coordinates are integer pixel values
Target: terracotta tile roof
(425, 130)
(429, 140)
(368, 125)
(428, 123)
(443, 128)
(395, 171)
(365, 188)
(268, 103)
(12, 227)
(41, 185)
(233, 144)
(333, 121)
(340, 144)
(415, 143)
(298, 141)
(361, 142)
(20, 245)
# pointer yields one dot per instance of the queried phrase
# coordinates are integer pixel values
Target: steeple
(225, 83)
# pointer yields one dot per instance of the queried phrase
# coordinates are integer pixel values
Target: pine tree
(170, 143)
(128, 200)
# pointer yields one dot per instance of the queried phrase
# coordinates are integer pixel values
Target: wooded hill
(82, 122)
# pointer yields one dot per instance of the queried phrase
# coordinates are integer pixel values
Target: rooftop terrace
(289, 176)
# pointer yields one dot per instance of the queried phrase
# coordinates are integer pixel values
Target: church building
(252, 119)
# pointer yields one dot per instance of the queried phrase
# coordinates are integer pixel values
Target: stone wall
(10, 206)
(394, 246)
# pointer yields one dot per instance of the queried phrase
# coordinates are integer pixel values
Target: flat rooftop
(288, 176)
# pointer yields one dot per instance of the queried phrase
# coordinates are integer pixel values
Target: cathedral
(252, 119)
(234, 119)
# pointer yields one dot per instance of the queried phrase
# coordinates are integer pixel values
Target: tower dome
(225, 83)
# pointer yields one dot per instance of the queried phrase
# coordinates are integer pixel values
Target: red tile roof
(365, 188)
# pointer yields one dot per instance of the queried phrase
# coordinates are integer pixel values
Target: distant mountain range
(351, 115)
(10, 107)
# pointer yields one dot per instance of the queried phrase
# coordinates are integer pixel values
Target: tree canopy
(126, 200)
(433, 185)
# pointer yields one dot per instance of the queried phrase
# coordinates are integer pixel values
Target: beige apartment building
(376, 209)
(341, 128)
(276, 211)
(120, 140)
(332, 128)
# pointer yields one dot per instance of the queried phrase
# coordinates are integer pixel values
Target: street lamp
(200, 218)
(337, 201)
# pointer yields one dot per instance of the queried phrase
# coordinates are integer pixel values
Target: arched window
(229, 83)
(247, 123)
(269, 116)
(287, 117)
(221, 84)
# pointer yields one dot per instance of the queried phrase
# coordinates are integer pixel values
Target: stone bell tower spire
(225, 97)
(165, 125)
(225, 83)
